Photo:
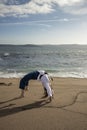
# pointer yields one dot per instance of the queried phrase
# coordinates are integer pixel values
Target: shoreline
(67, 74)
(68, 110)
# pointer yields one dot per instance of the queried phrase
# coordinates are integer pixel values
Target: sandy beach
(67, 111)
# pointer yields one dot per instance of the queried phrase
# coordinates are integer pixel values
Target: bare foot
(21, 96)
(50, 99)
(26, 88)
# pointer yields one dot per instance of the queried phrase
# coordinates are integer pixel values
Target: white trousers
(46, 84)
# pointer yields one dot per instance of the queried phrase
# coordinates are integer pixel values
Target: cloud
(22, 8)
(14, 2)
(77, 7)
(45, 23)
(30, 7)
(76, 10)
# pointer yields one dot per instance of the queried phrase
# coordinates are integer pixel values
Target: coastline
(68, 110)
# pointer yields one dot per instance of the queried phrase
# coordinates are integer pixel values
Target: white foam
(6, 54)
(67, 74)
(58, 74)
(11, 75)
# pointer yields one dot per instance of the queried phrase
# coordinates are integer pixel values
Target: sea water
(57, 60)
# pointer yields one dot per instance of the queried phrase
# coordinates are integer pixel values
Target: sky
(43, 21)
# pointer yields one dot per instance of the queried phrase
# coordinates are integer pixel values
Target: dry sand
(67, 111)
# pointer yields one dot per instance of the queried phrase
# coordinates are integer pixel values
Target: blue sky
(43, 21)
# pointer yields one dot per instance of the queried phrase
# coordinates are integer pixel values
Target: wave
(59, 74)
(11, 75)
(6, 54)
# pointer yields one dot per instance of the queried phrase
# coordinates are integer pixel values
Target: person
(37, 75)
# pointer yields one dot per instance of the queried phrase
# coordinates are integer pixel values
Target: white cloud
(45, 23)
(68, 2)
(19, 8)
(80, 11)
(60, 2)
(24, 9)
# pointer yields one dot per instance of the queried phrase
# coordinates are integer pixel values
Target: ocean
(57, 60)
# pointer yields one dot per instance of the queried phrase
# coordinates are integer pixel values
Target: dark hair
(45, 73)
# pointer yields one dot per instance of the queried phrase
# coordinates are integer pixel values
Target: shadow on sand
(7, 110)
(13, 99)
